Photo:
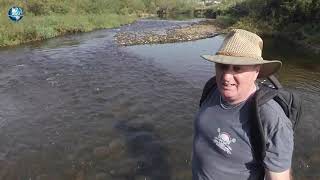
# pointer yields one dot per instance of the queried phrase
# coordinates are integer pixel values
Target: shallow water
(80, 107)
(182, 59)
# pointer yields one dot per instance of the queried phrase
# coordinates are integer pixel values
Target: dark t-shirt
(221, 146)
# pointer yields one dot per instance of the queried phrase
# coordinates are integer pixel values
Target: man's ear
(258, 68)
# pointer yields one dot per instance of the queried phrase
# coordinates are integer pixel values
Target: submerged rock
(115, 148)
(102, 176)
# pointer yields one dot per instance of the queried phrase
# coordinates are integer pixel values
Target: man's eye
(219, 66)
(225, 67)
(236, 68)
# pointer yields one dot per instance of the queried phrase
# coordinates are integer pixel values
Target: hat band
(224, 53)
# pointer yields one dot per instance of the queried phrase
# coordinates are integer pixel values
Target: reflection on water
(182, 59)
(80, 107)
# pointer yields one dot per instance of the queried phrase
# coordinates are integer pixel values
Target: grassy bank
(49, 18)
(32, 28)
(45, 19)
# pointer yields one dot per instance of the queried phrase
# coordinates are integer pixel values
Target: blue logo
(15, 14)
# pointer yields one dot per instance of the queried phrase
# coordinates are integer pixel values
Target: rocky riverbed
(185, 32)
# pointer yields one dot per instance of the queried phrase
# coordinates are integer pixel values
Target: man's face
(236, 82)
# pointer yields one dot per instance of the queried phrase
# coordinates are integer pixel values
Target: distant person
(224, 129)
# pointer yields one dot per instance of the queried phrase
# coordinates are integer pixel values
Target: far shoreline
(206, 28)
(38, 28)
(48, 27)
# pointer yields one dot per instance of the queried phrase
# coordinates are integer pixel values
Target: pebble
(101, 176)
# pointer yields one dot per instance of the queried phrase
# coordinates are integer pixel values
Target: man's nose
(227, 72)
(227, 76)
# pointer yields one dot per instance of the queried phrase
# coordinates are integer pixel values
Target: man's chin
(227, 94)
(228, 97)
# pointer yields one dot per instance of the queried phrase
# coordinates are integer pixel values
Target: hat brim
(268, 67)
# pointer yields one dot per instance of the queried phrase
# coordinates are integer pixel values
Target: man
(222, 146)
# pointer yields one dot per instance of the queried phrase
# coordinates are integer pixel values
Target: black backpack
(268, 89)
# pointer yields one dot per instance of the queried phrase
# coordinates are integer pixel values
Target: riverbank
(35, 28)
(44, 19)
(301, 45)
(305, 37)
(195, 31)
(209, 28)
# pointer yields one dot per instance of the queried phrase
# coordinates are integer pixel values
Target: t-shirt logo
(223, 141)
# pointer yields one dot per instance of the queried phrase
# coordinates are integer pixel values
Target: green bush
(38, 7)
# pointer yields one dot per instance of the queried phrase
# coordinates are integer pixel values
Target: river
(81, 107)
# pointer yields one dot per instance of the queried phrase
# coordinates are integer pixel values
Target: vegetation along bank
(295, 20)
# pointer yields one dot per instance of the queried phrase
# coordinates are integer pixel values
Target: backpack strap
(257, 138)
(208, 87)
(290, 103)
(262, 96)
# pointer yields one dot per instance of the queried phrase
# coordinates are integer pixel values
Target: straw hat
(242, 47)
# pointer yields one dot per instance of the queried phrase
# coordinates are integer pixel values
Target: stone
(102, 176)
(101, 152)
(43, 177)
(80, 175)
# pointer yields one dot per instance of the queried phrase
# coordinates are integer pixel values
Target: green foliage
(226, 21)
(250, 23)
(49, 18)
(297, 18)
(228, 6)
(48, 7)
(278, 13)
(38, 8)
